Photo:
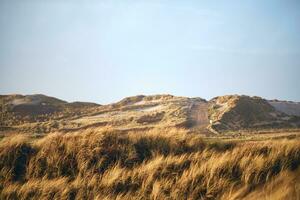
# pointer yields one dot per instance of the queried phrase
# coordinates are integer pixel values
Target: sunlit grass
(156, 164)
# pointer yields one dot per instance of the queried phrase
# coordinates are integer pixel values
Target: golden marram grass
(155, 164)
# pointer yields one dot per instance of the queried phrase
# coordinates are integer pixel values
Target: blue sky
(102, 51)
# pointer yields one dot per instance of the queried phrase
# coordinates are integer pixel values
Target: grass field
(156, 164)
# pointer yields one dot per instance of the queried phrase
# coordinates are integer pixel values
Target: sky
(105, 50)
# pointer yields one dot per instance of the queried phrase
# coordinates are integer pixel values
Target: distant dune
(221, 114)
(149, 147)
(287, 107)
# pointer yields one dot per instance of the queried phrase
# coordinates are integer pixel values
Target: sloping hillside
(144, 112)
(31, 112)
(287, 107)
(43, 114)
(147, 147)
(234, 112)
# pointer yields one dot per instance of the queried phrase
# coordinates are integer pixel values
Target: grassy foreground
(157, 164)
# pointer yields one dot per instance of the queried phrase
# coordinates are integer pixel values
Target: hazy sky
(103, 51)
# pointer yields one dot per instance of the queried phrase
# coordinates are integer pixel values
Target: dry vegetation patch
(155, 164)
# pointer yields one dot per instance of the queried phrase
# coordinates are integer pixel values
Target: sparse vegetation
(155, 164)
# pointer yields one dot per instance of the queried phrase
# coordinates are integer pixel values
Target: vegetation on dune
(234, 112)
(156, 164)
(40, 114)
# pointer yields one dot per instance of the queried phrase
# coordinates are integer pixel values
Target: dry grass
(157, 164)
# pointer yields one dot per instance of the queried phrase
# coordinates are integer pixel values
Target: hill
(149, 147)
(287, 107)
(235, 112)
(43, 114)
(40, 113)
